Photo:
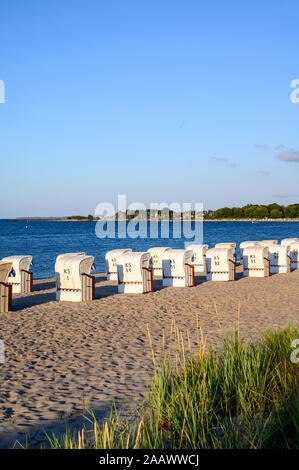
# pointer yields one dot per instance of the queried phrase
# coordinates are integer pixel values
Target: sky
(161, 100)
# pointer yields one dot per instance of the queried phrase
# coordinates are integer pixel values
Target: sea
(45, 240)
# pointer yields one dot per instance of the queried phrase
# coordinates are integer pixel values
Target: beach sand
(61, 356)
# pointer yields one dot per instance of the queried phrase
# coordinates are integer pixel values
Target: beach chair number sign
(252, 259)
(216, 260)
(113, 261)
(128, 267)
(67, 272)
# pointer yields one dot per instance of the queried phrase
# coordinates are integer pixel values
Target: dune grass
(243, 396)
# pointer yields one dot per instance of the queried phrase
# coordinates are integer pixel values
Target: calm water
(46, 240)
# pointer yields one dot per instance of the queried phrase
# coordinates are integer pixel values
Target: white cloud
(281, 147)
(290, 155)
(262, 146)
(219, 159)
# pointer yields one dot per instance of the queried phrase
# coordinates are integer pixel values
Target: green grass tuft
(244, 396)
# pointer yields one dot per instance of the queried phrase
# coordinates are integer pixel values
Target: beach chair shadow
(105, 291)
(158, 285)
(99, 278)
(239, 276)
(23, 302)
(39, 286)
(200, 280)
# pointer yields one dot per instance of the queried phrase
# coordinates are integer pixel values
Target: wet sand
(61, 356)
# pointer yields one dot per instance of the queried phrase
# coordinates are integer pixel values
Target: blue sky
(169, 100)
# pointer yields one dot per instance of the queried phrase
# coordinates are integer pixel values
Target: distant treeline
(250, 211)
(80, 217)
(254, 211)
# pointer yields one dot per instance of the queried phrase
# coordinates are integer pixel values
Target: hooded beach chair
(156, 260)
(5, 288)
(280, 260)
(178, 270)
(256, 261)
(134, 273)
(20, 277)
(111, 259)
(221, 264)
(199, 259)
(74, 283)
(247, 244)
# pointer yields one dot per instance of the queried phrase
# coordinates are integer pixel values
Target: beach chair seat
(221, 264)
(5, 288)
(111, 262)
(134, 273)
(20, 277)
(74, 283)
(178, 270)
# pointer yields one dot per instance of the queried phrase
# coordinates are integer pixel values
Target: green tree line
(255, 211)
(80, 217)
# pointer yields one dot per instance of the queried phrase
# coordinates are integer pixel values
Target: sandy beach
(62, 356)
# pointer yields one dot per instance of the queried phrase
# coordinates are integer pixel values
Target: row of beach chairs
(136, 271)
(72, 271)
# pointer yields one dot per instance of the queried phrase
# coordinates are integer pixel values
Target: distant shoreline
(150, 220)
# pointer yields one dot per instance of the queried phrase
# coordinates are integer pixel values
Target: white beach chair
(178, 270)
(134, 273)
(20, 277)
(247, 244)
(256, 261)
(228, 245)
(199, 259)
(280, 260)
(111, 262)
(221, 264)
(5, 288)
(157, 253)
(74, 283)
